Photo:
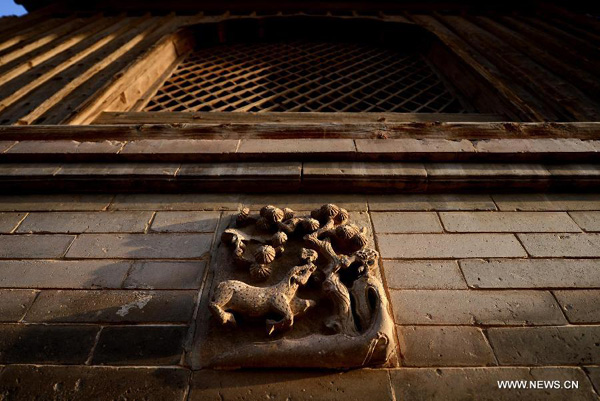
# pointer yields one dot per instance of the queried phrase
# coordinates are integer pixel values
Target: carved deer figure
(237, 296)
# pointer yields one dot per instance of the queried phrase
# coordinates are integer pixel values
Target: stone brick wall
(99, 295)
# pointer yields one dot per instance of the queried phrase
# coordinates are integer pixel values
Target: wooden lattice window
(305, 76)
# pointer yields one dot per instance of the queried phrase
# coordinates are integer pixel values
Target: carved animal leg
(300, 305)
(221, 297)
(281, 306)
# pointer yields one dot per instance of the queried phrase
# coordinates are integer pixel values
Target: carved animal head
(300, 274)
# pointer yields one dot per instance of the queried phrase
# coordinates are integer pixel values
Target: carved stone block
(287, 289)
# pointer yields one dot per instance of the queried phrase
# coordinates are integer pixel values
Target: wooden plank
(581, 46)
(583, 80)
(239, 130)
(17, 88)
(133, 81)
(95, 90)
(45, 37)
(28, 61)
(22, 35)
(517, 100)
(551, 44)
(28, 109)
(563, 97)
(578, 19)
(284, 118)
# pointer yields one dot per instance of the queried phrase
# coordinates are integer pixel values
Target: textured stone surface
(176, 202)
(9, 221)
(306, 202)
(261, 146)
(507, 222)
(93, 383)
(46, 344)
(425, 246)
(481, 384)
(175, 146)
(152, 246)
(449, 170)
(202, 222)
(284, 385)
(85, 222)
(594, 375)
(77, 306)
(532, 273)
(561, 245)
(140, 345)
(431, 202)
(54, 202)
(406, 222)
(62, 274)
(444, 346)
(65, 146)
(410, 145)
(547, 202)
(34, 246)
(572, 345)
(475, 307)
(426, 274)
(165, 275)
(580, 306)
(589, 221)
(14, 304)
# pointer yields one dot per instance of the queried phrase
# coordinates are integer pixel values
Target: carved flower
(242, 217)
(359, 240)
(263, 224)
(264, 254)
(279, 238)
(329, 210)
(272, 214)
(346, 231)
(288, 213)
(310, 225)
(342, 216)
(259, 271)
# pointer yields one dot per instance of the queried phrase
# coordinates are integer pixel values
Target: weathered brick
(82, 222)
(508, 222)
(165, 275)
(461, 384)
(240, 171)
(140, 345)
(62, 344)
(65, 147)
(407, 147)
(14, 304)
(306, 202)
(9, 221)
(93, 170)
(151, 246)
(589, 221)
(406, 222)
(563, 345)
(532, 273)
(472, 170)
(34, 246)
(111, 306)
(176, 202)
(580, 306)
(547, 202)
(431, 202)
(356, 385)
(574, 170)
(425, 274)
(444, 346)
(594, 375)
(62, 274)
(161, 147)
(443, 246)
(202, 222)
(5, 145)
(54, 202)
(534, 145)
(31, 170)
(561, 245)
(291, 146)
(475, 307)
(367, 171)
(26, 382)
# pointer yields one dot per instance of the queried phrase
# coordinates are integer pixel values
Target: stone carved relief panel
(292, 289)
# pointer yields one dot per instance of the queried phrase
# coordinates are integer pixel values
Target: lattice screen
(304, 76)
